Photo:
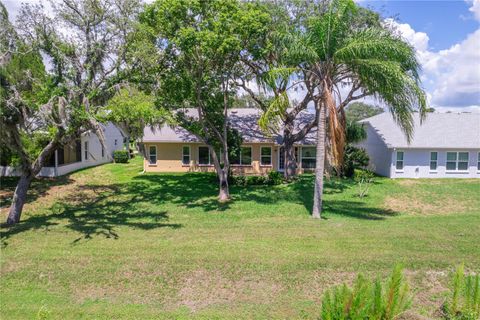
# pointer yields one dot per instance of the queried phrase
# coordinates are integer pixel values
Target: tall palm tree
(344, 49)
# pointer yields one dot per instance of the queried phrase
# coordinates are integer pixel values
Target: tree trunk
(224, 193)
(127, 144)
(19, 198)
(320, 163)
(290, 160)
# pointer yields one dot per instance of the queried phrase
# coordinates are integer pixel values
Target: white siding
(417, 164)
(380, 155)
(94, 155)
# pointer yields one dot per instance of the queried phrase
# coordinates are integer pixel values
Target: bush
(256, 180)
(354, 158)
(464, 304)
(120, 156)
(275, 177)
(368, 299)
(364, 179)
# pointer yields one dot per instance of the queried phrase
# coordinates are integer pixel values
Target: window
(203, 156)
(433, 161)
(152, 154)
(186, 155)
(399, 162)
(457, 161)
(115, 141)
(244, 157)
(86, 150)
(309, 156)
(266, 156)
(478, 161)
(103, 152)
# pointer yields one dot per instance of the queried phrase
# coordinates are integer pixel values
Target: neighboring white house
(445, 145)
(84, 152)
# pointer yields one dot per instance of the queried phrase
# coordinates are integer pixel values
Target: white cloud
(451, 76)
(475, 8)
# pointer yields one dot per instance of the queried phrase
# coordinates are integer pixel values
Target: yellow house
(170, 149)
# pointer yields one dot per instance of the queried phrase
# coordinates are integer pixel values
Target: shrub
(275, 177)
(368, 299)
(120, 156)
(464, 304)
(256, 180)
(239, 180)
(354, 158)
(364, 179)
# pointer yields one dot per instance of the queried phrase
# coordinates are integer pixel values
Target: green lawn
(110, 243)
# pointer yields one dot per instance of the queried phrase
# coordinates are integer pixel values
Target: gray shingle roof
(439, 130)
(244, 120)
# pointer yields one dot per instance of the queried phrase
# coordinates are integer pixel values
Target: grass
(110, 243)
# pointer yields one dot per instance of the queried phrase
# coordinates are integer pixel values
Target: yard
(109, 242)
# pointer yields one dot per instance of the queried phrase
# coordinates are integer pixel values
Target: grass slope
(108, 242)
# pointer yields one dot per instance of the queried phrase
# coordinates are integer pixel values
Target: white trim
(241, 164)
(271, 156)
(301, 157)
(456, 170)
(478, 162)
(402, 161)
(430, 163)
(150, 164)
(209, 157)
(189, 155)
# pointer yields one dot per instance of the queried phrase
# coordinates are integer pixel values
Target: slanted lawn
(110, 243)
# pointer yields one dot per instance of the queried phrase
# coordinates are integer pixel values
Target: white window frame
(397, 161)
(301, 157)
(430, 163)
(271, 156)
(85, 151)
(209, 156)
(150, 163)
(478, 162)
(240, 156)
(457, 161)
(189, 155)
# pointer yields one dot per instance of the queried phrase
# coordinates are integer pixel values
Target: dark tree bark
(19, 198)
(320, 162)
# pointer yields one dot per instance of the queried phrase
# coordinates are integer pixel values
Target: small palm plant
(368, 299)
(464, 304)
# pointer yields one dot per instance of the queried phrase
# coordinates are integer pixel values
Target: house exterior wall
(169, 159)
(114, 141)
(417, 164)
(380, 155)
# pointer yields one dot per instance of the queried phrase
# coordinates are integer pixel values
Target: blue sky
(445, 22)
(446, 35)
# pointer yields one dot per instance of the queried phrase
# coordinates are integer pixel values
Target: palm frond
(270, 119)
(399, 90)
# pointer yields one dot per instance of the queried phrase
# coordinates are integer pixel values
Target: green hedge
(120, 156)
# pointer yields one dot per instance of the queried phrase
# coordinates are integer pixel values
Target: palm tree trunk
(320, 162)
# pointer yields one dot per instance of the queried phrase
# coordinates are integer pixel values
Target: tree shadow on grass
(96, 211)
(352, 208)
(38, 188)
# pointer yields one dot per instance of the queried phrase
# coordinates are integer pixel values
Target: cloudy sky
(446, 35)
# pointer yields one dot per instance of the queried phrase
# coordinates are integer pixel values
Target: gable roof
(245, 120)
(439, 130)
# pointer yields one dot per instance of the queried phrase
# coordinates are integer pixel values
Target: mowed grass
(112, 243)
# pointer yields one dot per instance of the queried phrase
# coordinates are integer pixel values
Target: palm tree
(345, 49)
